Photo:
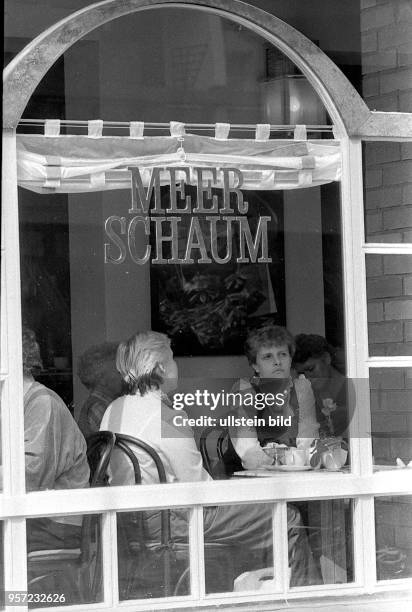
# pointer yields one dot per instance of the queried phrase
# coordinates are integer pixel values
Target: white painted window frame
(361, 484)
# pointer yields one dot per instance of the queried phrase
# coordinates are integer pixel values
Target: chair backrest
(222, 439)
(99, 450)
(227, 458)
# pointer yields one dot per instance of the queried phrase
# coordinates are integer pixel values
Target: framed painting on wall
(207, 308)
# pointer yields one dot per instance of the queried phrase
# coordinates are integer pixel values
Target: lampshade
(291, 100)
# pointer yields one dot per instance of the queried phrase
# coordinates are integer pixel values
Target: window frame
(361, 484)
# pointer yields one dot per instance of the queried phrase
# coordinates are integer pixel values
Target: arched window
(199, 172)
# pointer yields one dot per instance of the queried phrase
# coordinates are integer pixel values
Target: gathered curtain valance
(54, 163)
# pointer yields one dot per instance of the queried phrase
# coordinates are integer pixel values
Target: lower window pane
(320, 542)
(393, 525)
(237, 544)
(153, 553)
(64, 563)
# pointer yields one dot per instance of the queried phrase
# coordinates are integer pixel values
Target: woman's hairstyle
(91, 364)
(311, 345)
(267, 335)
(140, 360)
(31, 352)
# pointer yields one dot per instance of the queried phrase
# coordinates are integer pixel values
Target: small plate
(288, 468)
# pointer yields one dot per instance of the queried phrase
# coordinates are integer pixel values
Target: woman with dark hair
(148, 368)
(96, 369)
(270, 350)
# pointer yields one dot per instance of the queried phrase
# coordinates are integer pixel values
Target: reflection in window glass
(393, 525)
(389, 295)
(238, 542)
(64, 559)
(387, 181)
(328, 529)
(153, 554)
(391, 400)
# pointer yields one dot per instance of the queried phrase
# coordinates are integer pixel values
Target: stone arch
(346, 107)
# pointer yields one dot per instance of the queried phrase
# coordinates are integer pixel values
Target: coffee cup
(295, 456)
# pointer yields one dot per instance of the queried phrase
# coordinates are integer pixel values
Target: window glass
(153, 554)
(387, 184)
(326, 526)
(64, 562)
(393, 537)
(389, 291)
(238, 543)
(391, 399)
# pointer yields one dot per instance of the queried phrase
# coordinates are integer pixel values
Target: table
(326, 524)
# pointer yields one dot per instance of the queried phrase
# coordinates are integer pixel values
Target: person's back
(55, 450)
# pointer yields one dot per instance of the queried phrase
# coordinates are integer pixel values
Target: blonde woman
(150, 372)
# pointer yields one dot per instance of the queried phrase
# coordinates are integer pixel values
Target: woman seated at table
(270, 350)
(150, 372)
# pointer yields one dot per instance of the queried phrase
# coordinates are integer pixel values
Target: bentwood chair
(161, 568)
(227, 459)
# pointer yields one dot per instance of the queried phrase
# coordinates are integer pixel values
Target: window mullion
(12, 393)
(110, 559)
(15, 558)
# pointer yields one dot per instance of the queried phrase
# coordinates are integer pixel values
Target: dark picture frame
(206, 309)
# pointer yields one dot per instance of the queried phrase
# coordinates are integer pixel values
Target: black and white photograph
(206, 306)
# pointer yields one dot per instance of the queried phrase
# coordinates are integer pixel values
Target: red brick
(373, 178)
(396, 349)
(370, 86)
(400, 172)
(405, 101)
(395, 401)
(386, 378)
(400, 79)
(375, 312)
(407, 285)
(400, 217)
(377, 62)
(386, 103)
(385, 237)
(405, 55)
(407, 193)
(369, 42)
(380, 333)
(408, 378)
(385, 286)
(408, 331)
(381, 152)
(404, 12)
(374, 265)
(407, 236)
(388, 422)
(373, 222)
(406, 147)
(394, 35)
(367, 3)
(398, 309)
(383, 197)
(376, 17)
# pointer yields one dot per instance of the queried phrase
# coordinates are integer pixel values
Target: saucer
(288, 468)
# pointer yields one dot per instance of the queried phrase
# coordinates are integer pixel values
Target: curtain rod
(166, 126)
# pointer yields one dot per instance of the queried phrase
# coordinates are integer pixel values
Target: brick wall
(386, 37)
